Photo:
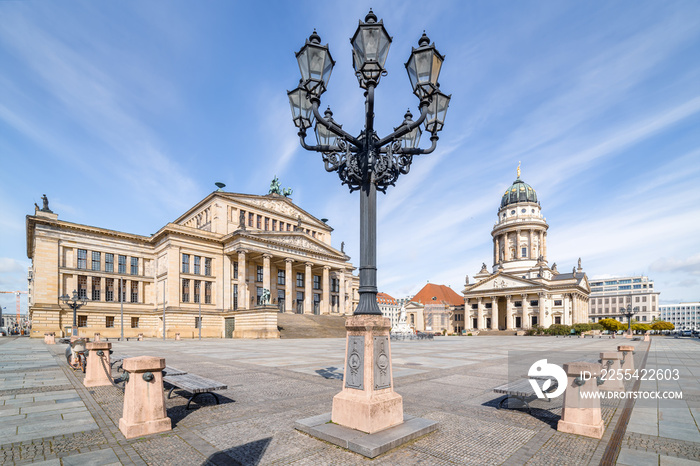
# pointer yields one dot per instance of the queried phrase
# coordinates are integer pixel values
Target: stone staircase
(310, 326)
(495, 333)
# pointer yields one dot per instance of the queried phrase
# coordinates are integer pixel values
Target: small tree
(610, 324)
(580, 328)
(641, 327)
(662, 325)
(597, 326)
(559, 329)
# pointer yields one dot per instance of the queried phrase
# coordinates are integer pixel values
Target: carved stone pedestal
(95, 374)
(627, 359)
(144, 400)
(581, 415)
(611, 363)
(368, 402)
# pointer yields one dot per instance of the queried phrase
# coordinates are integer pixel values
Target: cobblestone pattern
(662, 446)
(562, 448)
(51, 447)
(167, 450)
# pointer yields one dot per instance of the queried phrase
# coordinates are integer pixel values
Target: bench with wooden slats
(522, 391)
(194, 384)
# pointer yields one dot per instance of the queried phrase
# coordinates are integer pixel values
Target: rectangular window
(134, 322)
(134, 292)
(274, 225)
(207, 292)
(82, 321)
(267, 224)
(334, 300)
(197, 264)
(334, 285)
(96, 261)
(250, 219)
(644, 299)
(557, 320)
(535, 302)
(259, 274)
(289, 227)
(207, 266)
(82, 258)
(197, 285)
(475, 306)
(523, 252)
(259, 222)
(235, 296)
(82, 286)
(96, 282)
(185, 263)
(488, 305)
(235, 270)
(557, 302)
(109, 262)
(109, 321)
(317, 282)
(122, 264)
(300, 279)
(280, 277)
(197, 322)
(109, 289)
(518, 304)
(134, 266)
(121, 294)
(636, 299)
(300, 297)
(185, 290)
(259, 297)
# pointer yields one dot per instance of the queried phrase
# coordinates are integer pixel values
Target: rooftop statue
(275, 186)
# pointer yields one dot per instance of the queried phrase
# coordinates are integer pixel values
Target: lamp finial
(518, 170)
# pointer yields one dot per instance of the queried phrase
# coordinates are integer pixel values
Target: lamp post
(75, 302)
(368, 163)
(628, 312)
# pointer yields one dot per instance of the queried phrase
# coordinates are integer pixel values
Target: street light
(628, 312)
(76, 302)
(367, 162)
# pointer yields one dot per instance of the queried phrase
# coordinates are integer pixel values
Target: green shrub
(559, 329)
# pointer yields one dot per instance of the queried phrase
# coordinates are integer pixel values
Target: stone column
(242, 280)
(368, 402)
(326, 292)
(579, 415)
(308, 291)
(495, 249)
(494, 312)
(342, 308)
(289, 285)
(544, 246)
(541, 303)
(527, 323)
(225, 280)
(266, 274)
(540, 246)
(627, 360)
(509, 312)
(144, 399)
(517, 244)
(480, 313)
(97, 361)
(529, 245)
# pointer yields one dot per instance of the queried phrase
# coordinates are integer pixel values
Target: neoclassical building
(522, 290)
(220, 256)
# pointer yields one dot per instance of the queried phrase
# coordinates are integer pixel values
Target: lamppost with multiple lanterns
(75, 302)
(368, 163)
(629, 312)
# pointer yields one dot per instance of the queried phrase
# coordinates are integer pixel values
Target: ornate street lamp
(368, 163)
(628, 312)
(76, 302)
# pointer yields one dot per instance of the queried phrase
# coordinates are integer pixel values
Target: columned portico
(480, 324)
(288, 285)
(308, 292)
(526, 321)
(326, 287)
(542, 305)
(509, 312)
(494, 312)
(242, 280)
(266, 271)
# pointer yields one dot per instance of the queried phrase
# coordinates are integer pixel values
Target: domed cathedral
(522, 290)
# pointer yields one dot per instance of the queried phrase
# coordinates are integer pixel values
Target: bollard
(177, 336)
(97, 364)
(144, 399)
(611, 363)
(140, 337)
(97, 337)
(627, 359)
(646, 337)
(579, 415)
(51, 338)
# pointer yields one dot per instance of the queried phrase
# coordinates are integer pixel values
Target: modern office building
(685, 316)
(609, 295)
(522, 290)
(223, 256)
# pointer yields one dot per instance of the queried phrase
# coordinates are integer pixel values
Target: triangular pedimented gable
(280, 205)
(296, 240)
(501, 280)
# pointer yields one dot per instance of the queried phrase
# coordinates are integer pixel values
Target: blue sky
(126, 113)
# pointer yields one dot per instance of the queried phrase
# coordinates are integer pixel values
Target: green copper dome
(519, 191)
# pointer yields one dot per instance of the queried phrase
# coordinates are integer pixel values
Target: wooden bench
(194, 384)
(522, 391)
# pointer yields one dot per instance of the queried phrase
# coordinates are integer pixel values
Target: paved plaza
(49, 417)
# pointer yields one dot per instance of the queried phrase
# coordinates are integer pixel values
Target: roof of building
(519, 191)
(432, 293)
(384, 298)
